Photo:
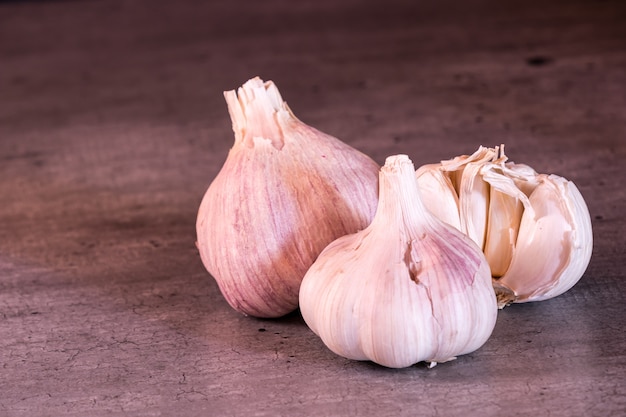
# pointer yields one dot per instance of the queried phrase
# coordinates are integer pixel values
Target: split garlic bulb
(286, 190)
(406, 289)
(534, 229)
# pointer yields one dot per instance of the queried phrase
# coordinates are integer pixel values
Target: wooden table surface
(113, 124)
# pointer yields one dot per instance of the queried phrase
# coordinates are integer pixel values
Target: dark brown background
(113, 124)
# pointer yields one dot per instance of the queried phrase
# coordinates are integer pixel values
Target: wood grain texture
(113, 124)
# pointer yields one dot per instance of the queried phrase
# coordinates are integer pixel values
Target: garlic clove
(506, 205)
(554, 244)
(438, 194)
(285, 191)
(474, 203)
(406, 289)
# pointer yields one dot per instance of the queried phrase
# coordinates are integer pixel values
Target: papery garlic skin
(536, 231)
(285, 191)
(408, 288)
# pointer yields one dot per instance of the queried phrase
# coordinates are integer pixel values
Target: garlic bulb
(406, 289)
(285, 191)
(534, 229)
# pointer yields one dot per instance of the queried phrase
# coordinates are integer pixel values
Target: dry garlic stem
(534, 229)
(285, 191)
(408, 288)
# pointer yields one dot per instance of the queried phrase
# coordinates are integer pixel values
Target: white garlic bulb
(406, 289)
(534, 229)
(285, 191)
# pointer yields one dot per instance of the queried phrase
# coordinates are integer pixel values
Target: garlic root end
(504, 295)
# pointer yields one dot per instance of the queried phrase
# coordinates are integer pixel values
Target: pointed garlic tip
(408, 288)
(399, 193)
(254, 110)
(285, 191)
(535, 229)
(398, 162)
